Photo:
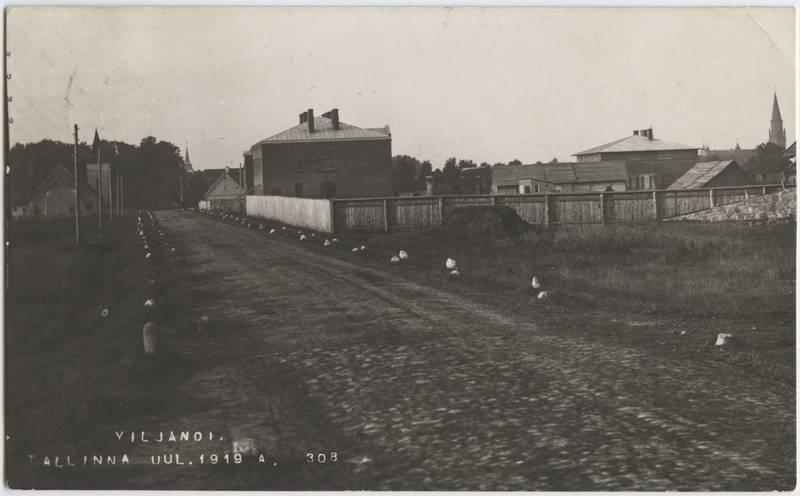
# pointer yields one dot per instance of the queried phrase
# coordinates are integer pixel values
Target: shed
(711, 175)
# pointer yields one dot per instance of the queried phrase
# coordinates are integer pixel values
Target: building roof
(51, 178)
(562, 172)
(211, 175)
(791, 151)
(635, 143)
(324, 131)
(232, 173)
(699, 175)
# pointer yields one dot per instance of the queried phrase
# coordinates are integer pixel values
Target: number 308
(331, 457)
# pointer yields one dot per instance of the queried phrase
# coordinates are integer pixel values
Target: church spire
(777, 133)
(187, 164)
(776, 110)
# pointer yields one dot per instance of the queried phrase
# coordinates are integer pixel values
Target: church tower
(777, 133)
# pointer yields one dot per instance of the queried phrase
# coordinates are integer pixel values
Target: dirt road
(416, 388)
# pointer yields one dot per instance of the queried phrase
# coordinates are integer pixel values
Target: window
(327, 189)
(527, 189)
(298, 190)
(537, 188)
(300, 165)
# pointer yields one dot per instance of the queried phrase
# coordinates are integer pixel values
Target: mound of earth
(496, 223)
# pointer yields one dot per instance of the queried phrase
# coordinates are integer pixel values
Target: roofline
(634, 151)
(321, 140)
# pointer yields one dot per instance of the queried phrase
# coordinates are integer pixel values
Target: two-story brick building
(322, 157)
(650, 163)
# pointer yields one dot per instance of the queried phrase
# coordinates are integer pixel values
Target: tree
(404, 172)
(767, 160)
(465, 164)
(450, 166)
(151, 170)
(515, 162)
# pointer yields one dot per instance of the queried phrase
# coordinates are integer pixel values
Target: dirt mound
(496, 223)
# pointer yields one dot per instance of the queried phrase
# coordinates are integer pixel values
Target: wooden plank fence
(303, 212)
(421, 212)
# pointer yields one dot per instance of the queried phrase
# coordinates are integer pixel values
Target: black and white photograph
(400, 248)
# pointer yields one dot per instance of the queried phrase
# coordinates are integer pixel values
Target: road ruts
(417, 388)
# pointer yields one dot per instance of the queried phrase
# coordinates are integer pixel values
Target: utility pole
(77, 199)
(121, 196)
(99, 188)
(110, 192)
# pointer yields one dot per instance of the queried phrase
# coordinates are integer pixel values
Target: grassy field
(676, 285)
(68, 368)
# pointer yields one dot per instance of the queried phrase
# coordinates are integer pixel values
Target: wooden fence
(302, 212)
(421, 212)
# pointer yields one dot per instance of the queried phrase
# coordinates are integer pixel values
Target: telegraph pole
(77, 199)
(99, 187)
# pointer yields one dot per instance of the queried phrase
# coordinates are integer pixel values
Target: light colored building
(225, 192)
(559, 177)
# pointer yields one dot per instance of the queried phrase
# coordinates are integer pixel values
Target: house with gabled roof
(55, 197)
(322, 157)
(226, 191)
(714, 174)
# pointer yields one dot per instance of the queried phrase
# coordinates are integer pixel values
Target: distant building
(738, 154)
(559, 177)
(712, 175)
(641, 145)
(777, 133)
(55, 197)
(322, 157)
(790, 170)
(226, 191)
(470, 181)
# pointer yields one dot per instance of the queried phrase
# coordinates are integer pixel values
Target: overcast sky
(488, 84)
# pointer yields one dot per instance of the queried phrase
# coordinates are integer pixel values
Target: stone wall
(774, 206)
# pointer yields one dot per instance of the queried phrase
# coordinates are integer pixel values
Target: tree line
(409, 173)
(151, 171)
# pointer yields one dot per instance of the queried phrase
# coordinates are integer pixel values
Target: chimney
(335, 118)
(303, 116)
(310, 117)
(650, 133)
(635, 132)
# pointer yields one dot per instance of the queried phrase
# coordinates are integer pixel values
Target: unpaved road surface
(417, 388)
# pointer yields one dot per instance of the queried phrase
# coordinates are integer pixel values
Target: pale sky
(487, 84)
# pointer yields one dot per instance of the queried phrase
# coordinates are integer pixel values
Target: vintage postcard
(400, 248)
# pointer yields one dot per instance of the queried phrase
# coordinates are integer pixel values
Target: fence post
(385, 215)
(332, 216)
(711, 198)
(494, 200)
(655, 205)
(441, 210)
(602, 208)
(746, 195)
(763, 190)
(547, 209)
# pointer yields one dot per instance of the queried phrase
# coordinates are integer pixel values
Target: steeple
(777, 133)
(187, 164)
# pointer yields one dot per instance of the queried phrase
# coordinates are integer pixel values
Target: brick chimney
(303, 117)
(650, 133)
(635, 131)
(310, 117)
(335, 118)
